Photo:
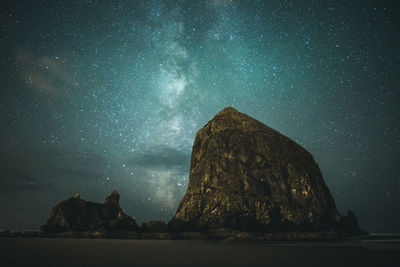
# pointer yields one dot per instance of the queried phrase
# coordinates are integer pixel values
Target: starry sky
(103, 95)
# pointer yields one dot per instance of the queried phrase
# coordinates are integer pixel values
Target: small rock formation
(349, 225)
(154, 227)
(247, 176)
(76, 214)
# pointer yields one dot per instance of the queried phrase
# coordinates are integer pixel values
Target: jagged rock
(113, 199)
(245, 175)
(123, 222)
(76, 214)
(154, 227)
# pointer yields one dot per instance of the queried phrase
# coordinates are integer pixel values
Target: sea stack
(247, 176)
(78, 215)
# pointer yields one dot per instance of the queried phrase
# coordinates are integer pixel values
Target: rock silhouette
(247, 176)
(76, 214)
(349, 225)
(154, 226)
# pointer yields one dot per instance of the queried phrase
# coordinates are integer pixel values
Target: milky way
(97, 95)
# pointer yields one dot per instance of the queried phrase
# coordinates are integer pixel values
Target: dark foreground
(22, 251)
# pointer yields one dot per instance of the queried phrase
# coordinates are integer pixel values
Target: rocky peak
(231, 119)
(245, 175)
(113, 198)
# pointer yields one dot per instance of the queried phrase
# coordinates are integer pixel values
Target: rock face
(76, 214)
(245, 175)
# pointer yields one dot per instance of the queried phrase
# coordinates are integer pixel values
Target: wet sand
(116, 252)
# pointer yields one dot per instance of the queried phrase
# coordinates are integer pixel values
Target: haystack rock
(247, 176)
(78, 215)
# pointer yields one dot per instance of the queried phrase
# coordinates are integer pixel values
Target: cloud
(162, 158)
(161, 172)
(43, 74)
(56, 68)
(33, 170)
(39, 82)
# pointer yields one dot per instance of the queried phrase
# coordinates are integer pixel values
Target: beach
(22, 251)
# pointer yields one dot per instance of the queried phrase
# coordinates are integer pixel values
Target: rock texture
(245, 175)
(76, 214)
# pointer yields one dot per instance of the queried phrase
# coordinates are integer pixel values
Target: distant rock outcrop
(76, 214)
(349, 225)
(247, 176)
(154, 227)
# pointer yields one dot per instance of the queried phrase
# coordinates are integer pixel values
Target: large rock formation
(76, 214)
(246, 176)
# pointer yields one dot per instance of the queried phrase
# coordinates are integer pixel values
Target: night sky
(103, 95)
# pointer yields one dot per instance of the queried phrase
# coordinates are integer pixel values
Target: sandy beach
(117, 252)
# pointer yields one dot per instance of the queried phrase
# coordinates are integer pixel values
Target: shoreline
(218, 235)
